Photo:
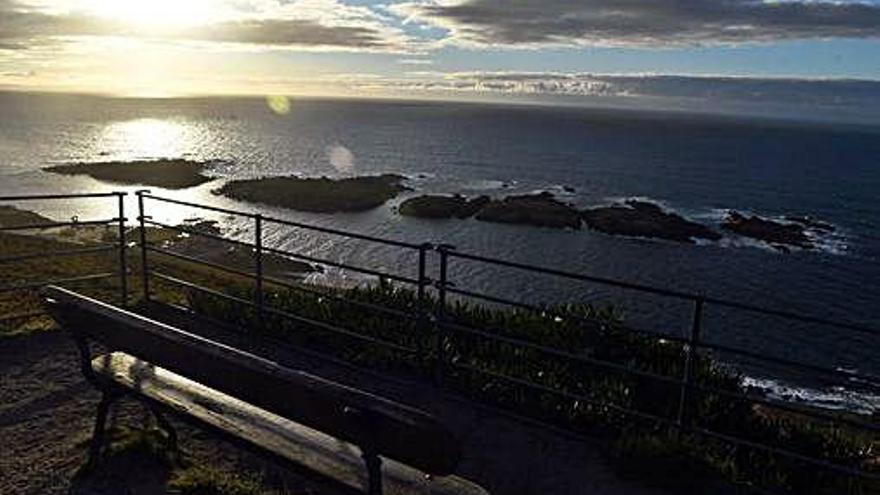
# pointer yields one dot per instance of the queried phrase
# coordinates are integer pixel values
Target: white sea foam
(834, 398)
(486, 185)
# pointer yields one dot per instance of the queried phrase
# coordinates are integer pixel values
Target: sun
(155, 14)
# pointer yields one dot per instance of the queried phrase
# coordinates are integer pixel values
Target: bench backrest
(393, 430)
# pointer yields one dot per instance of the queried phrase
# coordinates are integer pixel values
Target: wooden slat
(314, 450)
(394, 430)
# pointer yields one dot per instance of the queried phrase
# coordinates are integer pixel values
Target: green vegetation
(168, 174)
(21, 311)
(323, 195)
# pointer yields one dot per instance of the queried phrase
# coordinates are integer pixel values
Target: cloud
(302, 24)
(808, 93)
(643, 23)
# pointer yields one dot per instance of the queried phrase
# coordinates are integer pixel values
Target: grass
(317, 194)
(21, 311)
(168, 174)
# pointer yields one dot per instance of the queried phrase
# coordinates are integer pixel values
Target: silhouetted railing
(119, 246)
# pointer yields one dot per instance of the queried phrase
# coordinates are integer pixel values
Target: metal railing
(441, 333)
(433, 317)
(119, 246)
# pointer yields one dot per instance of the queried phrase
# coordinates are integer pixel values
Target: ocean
(699, 166)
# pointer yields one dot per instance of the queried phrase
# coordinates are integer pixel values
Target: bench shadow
(137, 461)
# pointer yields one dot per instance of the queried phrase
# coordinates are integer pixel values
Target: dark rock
(443, 206)
(643, 219)
(541, 210)
(811, 223)
(318, 195)
(568, 189)
(165, 173)
(777, 234)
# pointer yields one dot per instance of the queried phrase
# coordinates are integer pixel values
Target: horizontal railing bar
(353, 235)
(197, 261)
(567, 395)
(794, 316)
(661, 420)
(53, 225)
(340, 330)
(37, 285)
(321, 261)
(665, 292)
(662, 378)
(201, 207)
(814, 413)
(58, 254)
(63, 196)
(290, 223)
(874, 381)
(787, 453)
(325, 326)
(574, 276)
(563, 354)
(197, 232)
(272, 280)
(318, 293)
(551, 312)
(281, 252)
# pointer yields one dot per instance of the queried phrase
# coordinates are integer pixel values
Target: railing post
(440, 313)
(258, 271)
(687, 382)
(145, 271)
(421, 299)
(123, 261)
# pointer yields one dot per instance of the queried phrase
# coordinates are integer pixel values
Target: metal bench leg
(107, 399)
(165, 426)
(374, 472)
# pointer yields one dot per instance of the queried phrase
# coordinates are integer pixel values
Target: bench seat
(287, 439)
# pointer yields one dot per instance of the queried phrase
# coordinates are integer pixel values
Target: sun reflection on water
(145, 139)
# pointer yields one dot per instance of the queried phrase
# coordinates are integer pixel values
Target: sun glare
(146, 139)
(155, 14)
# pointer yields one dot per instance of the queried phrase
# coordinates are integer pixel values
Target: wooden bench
(359, 439)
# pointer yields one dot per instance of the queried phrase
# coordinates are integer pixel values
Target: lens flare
(279, 104)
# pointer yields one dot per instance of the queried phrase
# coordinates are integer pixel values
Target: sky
(496, 49)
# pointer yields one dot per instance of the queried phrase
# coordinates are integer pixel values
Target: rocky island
(440, 207)
(643, 219)
(540, 210)
(777, 234)
(166, 173)
(322, 195)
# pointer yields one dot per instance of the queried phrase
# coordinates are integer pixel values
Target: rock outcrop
(778, 234)
(540, 210)
(323, 195)
(441, 207)
(643, 219)
(166, 173)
